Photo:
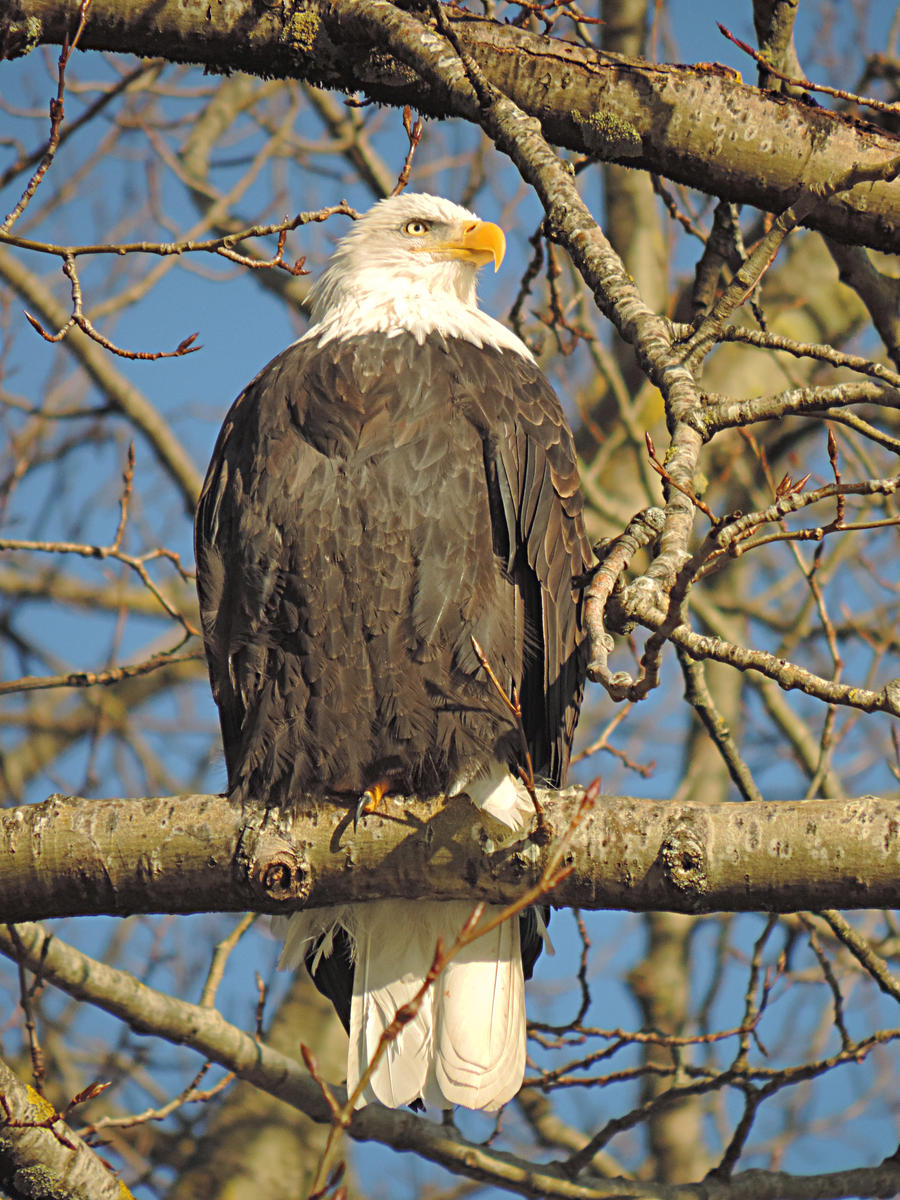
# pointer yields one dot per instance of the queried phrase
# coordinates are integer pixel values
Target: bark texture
(42, 1158)
(179, 854)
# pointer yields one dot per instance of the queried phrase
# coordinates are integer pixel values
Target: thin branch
(803, 83)
(85, 679)
(874, 965)
(57, 114)
(414, 132)
(80, 320)
(224, 244)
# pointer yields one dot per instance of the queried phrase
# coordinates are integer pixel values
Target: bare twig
(874, 965)
(526, 768)
(26, 995)
(223, 245)
(189, 1095)
(664, 474)
(807, 84)
(414, 132)
(83, 679)
(645, 770)
(80, 320)
(57, 113)
(220, 958)
(137, 563)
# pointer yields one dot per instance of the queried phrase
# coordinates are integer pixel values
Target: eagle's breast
(362, 482)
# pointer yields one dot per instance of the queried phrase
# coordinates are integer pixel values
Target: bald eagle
(397, 483)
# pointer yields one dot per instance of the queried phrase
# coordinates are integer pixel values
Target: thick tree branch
(178, 854)
(698, 125)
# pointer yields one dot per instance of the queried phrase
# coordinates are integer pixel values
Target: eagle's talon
(370, 800)
(363, 806)
(542, 834)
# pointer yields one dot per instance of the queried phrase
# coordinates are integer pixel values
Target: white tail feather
(394, 950)
(300, 928)
(466, 1043)
(479, 1053)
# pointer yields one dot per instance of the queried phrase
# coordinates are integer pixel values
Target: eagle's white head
(409, 265)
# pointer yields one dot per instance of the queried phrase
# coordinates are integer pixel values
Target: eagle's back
(372, 504)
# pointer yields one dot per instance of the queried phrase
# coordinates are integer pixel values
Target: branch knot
(276, 873)
(682, 857)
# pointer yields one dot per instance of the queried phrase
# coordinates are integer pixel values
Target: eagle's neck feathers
(393, 298)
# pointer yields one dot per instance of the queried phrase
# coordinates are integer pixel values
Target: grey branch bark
(180, 854)
(700, 125)
(40, 1157)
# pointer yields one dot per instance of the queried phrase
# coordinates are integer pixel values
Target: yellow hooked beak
(481, 242)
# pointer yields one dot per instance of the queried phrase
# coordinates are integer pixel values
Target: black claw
(361, 808)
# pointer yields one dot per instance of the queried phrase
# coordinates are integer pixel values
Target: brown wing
(537, 506)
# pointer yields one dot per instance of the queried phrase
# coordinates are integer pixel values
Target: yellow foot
(370, 799)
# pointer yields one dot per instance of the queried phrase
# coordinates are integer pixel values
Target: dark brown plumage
(371, 506)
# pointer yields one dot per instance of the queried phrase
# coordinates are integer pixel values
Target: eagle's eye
(416, 228)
